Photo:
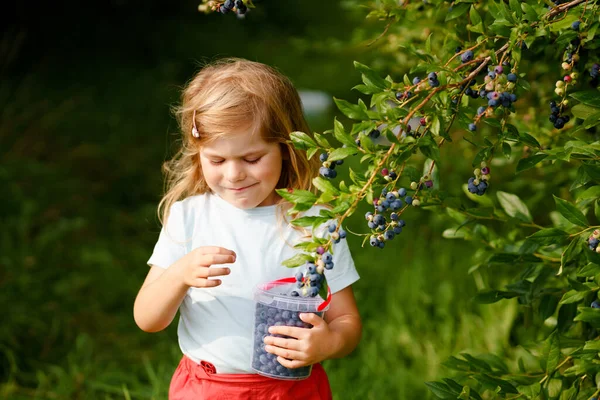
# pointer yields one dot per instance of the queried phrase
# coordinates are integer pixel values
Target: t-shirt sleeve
(172, 241)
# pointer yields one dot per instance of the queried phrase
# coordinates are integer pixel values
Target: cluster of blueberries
(390, 230)
(228, 5)
(491, 90)
(266, 363)
(556, 116)
(311, 278)
(479, 183)
(327, 170)
(392, 201)
(432, 78)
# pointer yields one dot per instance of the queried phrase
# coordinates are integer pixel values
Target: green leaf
(570, 212)
(514, 206)
(573, 296)
(493, 382)
(589, 270)
(321, 141)
(549, 236)
(297, 260)
(457, 10)
(302, 141)
(588, 314)
(552, 352)
(441, 390)
(592, 121)
(567, 254)
(325, 185)
(592, 170)
(340, 153)
(474, 16)
(371, 78)
(352, 111)
(590, 193)
(302, 199)
(529, 140)
(583, 111)
(590, 97)
(515, 7)
(492, 296)
(308, 221)
(529, 162)
(341, 135)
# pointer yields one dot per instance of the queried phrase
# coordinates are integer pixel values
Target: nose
(235, 172)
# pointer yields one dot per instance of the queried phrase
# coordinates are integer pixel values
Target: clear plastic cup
(275, 306)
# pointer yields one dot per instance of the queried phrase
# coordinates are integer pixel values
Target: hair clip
(195, 132)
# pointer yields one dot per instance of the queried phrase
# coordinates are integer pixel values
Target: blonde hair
(225, 96)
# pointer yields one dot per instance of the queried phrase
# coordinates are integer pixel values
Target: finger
(291, 363)
(311, 318)
(285, 353)
(290, 344)
(206, 283)
(215, 250)
(209, 272)
(291, 331)
(212, 259)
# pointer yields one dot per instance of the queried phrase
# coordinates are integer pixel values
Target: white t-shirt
(216, 324)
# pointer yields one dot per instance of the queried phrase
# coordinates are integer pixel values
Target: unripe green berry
(574, 75)
(560, 84)
(485, 177)
(566, 66)
(414, 185)
(483, 164)
(476, 182)
(477, 172)
(320, 269)
(335, 236)
(559, 91)
(417, 203)
(596, 233)
(320, 263)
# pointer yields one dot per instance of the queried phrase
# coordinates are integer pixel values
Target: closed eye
(253, 161)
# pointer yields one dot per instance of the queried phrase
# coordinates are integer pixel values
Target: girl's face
(242, 169)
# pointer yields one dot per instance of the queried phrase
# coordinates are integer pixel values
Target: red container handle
(278, 282)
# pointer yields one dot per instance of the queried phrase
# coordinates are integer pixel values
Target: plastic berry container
(275, 307)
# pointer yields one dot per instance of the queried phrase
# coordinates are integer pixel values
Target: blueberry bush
(507, 89)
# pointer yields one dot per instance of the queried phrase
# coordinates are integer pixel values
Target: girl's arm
(344, 323)
(163, 290)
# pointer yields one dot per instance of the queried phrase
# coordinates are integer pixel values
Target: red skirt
(193, 381)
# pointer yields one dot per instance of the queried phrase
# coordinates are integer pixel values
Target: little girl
(225, 231)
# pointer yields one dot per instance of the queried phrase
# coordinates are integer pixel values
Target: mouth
(237, 190)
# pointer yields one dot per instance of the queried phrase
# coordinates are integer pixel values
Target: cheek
(208, 171)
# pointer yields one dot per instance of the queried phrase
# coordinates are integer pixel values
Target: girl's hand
(305, 347)
(195, 267)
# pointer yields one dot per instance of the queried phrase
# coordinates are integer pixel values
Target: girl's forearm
(157, 302)
(346, 333)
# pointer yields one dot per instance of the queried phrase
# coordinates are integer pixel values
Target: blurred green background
(85, 97)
